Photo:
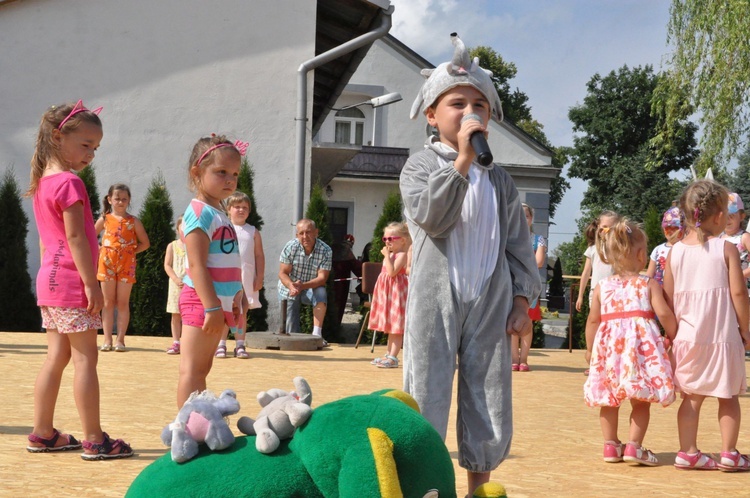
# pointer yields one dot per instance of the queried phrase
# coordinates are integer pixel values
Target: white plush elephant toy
(281, 414)
(201, 420)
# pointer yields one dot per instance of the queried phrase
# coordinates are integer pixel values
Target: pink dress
(708, 352)
(388, 310)
(628, 360)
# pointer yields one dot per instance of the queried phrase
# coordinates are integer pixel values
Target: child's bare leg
(395, 341)
(639, 419)
(196, 359)
(525, 347)
(729, 422)
(608, 419)
(109, 290)
(86, 382)
(514, 349)
(123, 310)
(687, 422)
(47, 384)
(476, 479)
(176, 327)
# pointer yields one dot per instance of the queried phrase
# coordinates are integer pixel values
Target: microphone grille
(471, 117)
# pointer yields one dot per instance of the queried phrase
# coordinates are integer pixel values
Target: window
(350, 126)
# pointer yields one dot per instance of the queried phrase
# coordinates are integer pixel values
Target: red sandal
(103, 450)
(49, 443)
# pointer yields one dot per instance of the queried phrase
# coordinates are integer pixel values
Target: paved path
(556, 448)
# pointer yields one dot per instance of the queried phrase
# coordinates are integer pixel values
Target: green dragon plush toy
(376, 445)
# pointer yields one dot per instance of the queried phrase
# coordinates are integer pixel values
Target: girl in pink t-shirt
(67, 290)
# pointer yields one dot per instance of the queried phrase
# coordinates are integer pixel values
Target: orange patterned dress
(388, 312)
(628, 360)
(117, 254)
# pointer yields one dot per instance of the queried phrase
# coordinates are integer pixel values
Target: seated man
(305, 263)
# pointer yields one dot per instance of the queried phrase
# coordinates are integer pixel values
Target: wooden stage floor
(556, 448)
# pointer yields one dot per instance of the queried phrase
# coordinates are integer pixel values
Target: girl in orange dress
(124, 237)
(389, 298)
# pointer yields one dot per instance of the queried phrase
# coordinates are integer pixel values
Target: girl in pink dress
(704, 285)
(389, 298)
(627, 354)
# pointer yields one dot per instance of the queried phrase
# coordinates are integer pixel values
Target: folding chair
(370, 272)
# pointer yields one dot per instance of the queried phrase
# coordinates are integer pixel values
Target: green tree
(21, 313)
(392, 211)
(515, 102)
(88, 175)
(148, 301)
(652, 227)
(317, 210)
(614, 126)
(708, 71)
(257, 319)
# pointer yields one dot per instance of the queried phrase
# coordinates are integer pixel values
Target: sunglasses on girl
(390, 239)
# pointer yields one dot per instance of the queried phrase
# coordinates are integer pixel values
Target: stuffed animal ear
(427, 72)
(416, 106)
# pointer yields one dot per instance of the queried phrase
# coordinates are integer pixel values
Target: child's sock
(317, 331)
(222, 343)
(176, 342)
(240, 343)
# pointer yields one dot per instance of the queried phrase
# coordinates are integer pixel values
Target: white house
(170, 72)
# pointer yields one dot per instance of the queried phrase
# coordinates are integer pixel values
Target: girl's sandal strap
(49, 443)
(104, 450)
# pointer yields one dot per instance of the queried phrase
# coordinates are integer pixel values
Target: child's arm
(668, 284)
(662, 309)
(197, 243)
(408, 261)
(651, 270)
(592, 322)
(99, 225)
(541, 256)
(746, 244)
(168, 260)
(738, 290)
(75, 232)
(519, 323)
(466, 152)
(392, 267)
(260, 262)
(584, 282)
(140, 233)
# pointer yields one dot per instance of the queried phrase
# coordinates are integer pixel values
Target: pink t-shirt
(58, 282)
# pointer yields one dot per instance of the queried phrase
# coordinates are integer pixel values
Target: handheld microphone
(479, 143)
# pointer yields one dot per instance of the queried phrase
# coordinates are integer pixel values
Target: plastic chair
(370, 272)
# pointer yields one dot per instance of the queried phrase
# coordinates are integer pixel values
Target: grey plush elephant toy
(201, 420)
(281, 414)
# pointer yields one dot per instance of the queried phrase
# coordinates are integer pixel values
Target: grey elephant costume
(445, 326)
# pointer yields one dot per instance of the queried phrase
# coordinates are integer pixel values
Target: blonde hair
(594, 226)
(617, 245)
(46, 148)
(401, 229)
(236, 198)
(177, 226)
(701, 200)
(200, 148)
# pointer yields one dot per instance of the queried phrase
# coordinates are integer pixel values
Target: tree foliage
(257, 319)
(708, 71)
(88, 176)
(614, 126)
(148, 301)
(19, 304)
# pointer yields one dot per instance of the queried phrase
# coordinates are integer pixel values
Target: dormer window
(350, 126)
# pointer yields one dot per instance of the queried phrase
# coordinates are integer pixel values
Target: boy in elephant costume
(473, 274)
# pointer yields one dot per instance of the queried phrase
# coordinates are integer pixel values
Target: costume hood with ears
(459, 71)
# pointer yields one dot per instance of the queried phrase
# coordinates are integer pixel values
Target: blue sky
(557, 46)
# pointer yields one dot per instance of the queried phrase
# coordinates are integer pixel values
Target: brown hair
(701, 200)
(236, 198)
(616, 245)
(46, 148)
(106, 206)
(200, 148)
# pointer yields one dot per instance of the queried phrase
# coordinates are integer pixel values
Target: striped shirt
(304, 267)
(223, 252)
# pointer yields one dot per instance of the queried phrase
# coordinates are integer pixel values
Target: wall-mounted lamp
(388, 98)
(329, 191)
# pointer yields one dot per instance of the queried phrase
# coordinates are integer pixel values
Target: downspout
(301, 118)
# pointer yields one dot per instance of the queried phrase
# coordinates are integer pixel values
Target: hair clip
(627, 228)
(604, 230)
(697, 217)
(76, 109)
(239, 145)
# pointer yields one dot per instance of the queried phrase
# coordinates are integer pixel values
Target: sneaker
(638, 455)
(174, 348)
(613, 452)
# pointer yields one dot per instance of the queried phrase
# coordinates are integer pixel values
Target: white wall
(167, 73)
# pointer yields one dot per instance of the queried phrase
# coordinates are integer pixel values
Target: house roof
(337, 22)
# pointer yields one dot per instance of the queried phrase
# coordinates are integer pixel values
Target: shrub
(21, 313)
(88, 175)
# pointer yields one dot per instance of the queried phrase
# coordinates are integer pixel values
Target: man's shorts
(116, 265)
(69, 320)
